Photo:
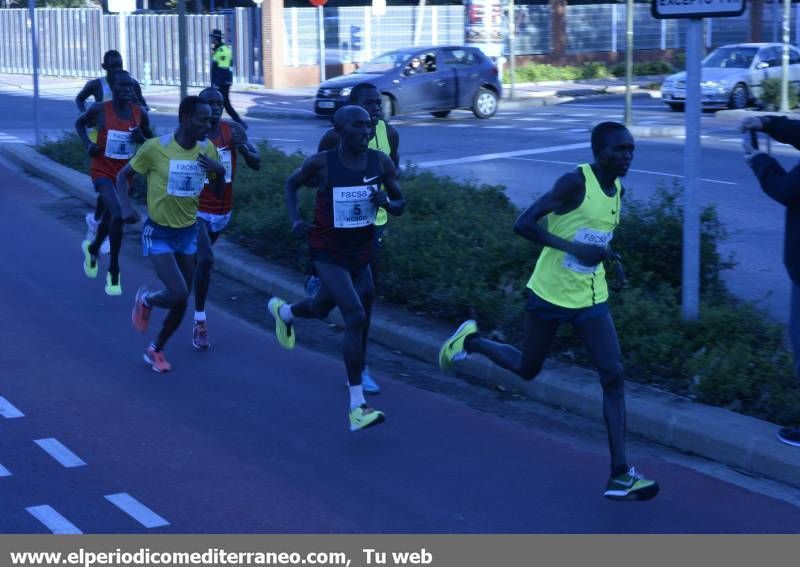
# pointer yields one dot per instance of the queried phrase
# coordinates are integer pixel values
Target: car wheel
(676, 107)
(387, 106)
(739, 97)
(440, 114)
(485, 104)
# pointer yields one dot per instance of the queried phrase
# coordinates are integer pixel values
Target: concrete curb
(264, 113)
(742, 442)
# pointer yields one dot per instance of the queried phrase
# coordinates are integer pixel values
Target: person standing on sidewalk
(214, 213)
(177, 166)
(100, 90)
(784, 187)
(222, 72)
(353, 181)
(387, 140)
(568, 285)
(120, 124)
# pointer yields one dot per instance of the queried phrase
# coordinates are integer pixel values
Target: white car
(732, 75)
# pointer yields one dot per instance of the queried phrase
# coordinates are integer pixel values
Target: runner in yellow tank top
(385, 139)
(568, 285)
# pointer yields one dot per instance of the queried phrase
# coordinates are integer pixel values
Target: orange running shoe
(156, 359)
(140, 316)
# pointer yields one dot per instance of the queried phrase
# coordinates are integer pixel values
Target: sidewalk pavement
(743, 443)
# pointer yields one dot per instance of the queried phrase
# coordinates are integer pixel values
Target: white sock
(356, 396)
(199, 315)
(285, 312)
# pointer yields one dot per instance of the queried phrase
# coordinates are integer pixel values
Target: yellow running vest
(559, 277)
(380, 142)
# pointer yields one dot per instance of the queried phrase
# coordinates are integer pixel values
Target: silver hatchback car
(732, 75)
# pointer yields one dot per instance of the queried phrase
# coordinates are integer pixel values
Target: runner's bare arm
(83, 121)
(126, 210)
(252, 157)
(392, 199)
(137, 89)
(143, 131)
(312, 168)
(329, 141)
(89, 89)
(215, 172)
(565, 196)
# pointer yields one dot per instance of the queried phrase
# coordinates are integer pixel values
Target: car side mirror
(762, 65)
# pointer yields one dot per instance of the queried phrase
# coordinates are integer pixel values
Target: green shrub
(594, 70)
(458, 257)
(68, 150)
(771, 94)
(644, 68)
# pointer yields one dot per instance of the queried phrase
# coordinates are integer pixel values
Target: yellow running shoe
(453, 348)
(111, 287)
(284, 332)
(89, 261)
(363, 417)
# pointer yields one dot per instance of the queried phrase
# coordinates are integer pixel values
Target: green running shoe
(284, 332)
(89, 261)
(453, 348)
(631, 486)
(363, 417)
(112, 287)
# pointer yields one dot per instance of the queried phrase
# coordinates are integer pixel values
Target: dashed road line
(497, 127)
(529, 119)
(136, 510)
(52, 520)
(59, 452)
(538, 128)
(7, 409)
(4, 471)
(458, 125)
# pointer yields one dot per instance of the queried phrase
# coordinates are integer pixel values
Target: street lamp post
(628, 63)
(35, 61)
(787, 14)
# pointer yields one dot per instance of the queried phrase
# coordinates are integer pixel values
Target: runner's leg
(600, 338)
(205, 261)
(111, 224)
(537, 340)
(176, 272)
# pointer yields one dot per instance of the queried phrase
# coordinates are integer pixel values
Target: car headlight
(713, 84)
(346, 91)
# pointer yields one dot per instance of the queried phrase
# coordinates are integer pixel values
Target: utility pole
(182, 48)
(35, 60)
(628, 63)
(787, 14)
(512, 25)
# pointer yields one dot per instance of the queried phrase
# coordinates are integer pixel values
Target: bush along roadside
(536, 72)
(454, 258)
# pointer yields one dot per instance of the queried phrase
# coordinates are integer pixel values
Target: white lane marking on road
(629, 171)
(7, 409)
(578, 130)
(136, 510)
(420, 124)
(8, 138)
(487, 157)
(508, 113)
(4, 471)
(579, 114)
(538, 128)
(564, 120)
(458, 125)
(59, 452)
(529, 119)
(282, 140)
(52, 520)
(497, 127)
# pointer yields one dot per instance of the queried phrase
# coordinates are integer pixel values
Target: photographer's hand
(752, 123)
(749, 151)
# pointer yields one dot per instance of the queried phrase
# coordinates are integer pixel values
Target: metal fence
(72, 43)
(601, 27)
(352, 33)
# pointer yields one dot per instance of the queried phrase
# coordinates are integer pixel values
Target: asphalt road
(527, 150)
(249, 438)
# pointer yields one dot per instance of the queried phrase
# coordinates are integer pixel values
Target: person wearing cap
(222, 72)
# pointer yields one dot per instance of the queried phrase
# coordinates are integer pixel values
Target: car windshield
(731, 58)
(384, 63)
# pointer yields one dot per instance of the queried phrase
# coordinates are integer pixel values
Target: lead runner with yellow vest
(568, 285)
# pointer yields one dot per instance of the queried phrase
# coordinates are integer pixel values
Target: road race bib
(226, 160)
(587, 236)
(119, 144)
(352, 207)
(186, 178)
